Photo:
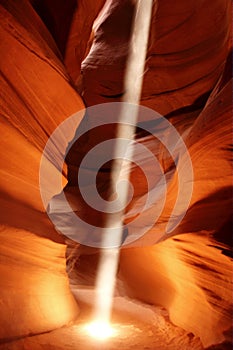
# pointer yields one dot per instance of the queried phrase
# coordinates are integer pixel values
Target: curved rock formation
(189, 42)
(36, 96)
(65, 21)
(186, 57)
(187, 79)
(191, 274)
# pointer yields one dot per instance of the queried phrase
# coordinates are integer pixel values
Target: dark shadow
(57, 16)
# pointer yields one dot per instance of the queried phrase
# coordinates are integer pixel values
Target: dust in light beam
(106, 276)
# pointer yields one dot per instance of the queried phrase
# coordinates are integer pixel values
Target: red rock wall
(70, 23)
(188, 48)
(189, 274)
(36, 96)
(188, 44)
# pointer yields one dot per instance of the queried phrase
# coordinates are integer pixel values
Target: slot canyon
(173, 290)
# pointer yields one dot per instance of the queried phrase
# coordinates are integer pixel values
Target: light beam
(100, 330)
(107, 271)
